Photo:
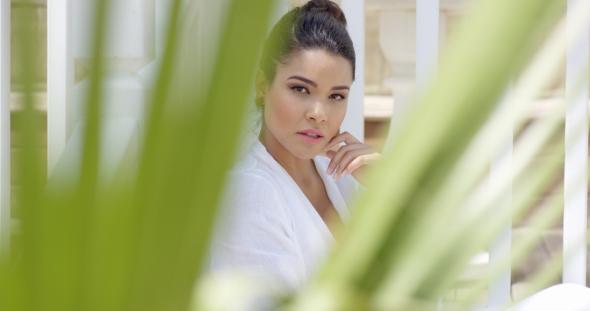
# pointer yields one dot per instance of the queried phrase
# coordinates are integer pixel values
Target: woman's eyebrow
(304, 80)
(340, 87)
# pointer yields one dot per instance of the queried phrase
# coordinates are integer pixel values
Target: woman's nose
(317, 112)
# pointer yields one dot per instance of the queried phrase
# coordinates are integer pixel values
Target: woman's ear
(261, 85)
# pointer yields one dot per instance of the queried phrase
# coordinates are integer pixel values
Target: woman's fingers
(353, 165)
(344, 137)
(349, 157)
(360, 171)
(336, 156)
(345, 167)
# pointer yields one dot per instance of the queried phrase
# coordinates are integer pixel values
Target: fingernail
(344, 173)
(336, 177)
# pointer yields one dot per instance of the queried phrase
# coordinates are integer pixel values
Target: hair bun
(326, 6)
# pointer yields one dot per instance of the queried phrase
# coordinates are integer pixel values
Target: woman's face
(306, 103)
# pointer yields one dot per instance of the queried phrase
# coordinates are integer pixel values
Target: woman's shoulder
(252, 186)
(250, 171)
(251, 198)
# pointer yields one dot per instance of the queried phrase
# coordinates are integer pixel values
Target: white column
(499, 289)
(4, 126)
(354, 122)
(576, 148)
(129, 46)
(397, 39)
(427, 16)
(280, 8)
(149, 72)
(418, 64)
(60, 79)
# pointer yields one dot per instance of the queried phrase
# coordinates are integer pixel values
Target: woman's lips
(310, 139)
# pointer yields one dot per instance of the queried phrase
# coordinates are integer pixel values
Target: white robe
(268, 226)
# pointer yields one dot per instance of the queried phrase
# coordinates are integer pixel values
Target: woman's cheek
(283, 112)
(337, 114)
(278, 115)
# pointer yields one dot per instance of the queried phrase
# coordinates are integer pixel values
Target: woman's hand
(351, 158)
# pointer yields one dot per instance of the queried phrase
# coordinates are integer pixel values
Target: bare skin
(311, 91)
(311, 184)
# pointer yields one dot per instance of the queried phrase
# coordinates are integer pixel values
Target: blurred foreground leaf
(139, 243)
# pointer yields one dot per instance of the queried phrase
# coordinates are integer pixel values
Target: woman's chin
(307, 154)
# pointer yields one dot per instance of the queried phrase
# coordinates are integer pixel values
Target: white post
(354, 122)
(499, 289)
(60, 79)
(576, 149)
(405, 87)
(280, 8)
(397, 39)
(130, 45)
(4, 126)
(427, 16)
(162, 7)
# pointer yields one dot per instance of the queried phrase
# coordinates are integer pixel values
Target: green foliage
(139, 243)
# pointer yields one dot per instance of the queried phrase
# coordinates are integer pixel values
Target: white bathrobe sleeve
(256, 234)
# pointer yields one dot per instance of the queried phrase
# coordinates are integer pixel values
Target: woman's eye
(299, 89)
(337, 97)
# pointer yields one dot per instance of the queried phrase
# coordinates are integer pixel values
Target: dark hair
(319, 24)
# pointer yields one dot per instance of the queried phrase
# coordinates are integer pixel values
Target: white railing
(576, 160)
(5, 125)
(130, 47)
(355, 120)
(60, 79)
(427, 21)
(499, 289)
(427, 54)
(576, 147)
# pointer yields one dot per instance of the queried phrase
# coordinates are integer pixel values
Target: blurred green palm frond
(140, 242)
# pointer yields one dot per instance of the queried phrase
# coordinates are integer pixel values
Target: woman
(285, 202)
